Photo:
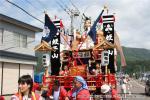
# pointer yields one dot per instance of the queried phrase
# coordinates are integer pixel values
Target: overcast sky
(132, 16)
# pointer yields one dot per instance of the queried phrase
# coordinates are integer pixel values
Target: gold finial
(105, 7)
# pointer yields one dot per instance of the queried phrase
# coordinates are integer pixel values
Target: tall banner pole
(108, 29)
(55, 55)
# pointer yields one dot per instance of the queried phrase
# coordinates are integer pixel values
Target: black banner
(108, 29)
(55, 55)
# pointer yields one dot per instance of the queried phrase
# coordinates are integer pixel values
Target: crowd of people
(80, 91)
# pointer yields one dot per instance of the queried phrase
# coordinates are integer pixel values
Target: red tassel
(114, 18)
(100, 21)
(61, 24)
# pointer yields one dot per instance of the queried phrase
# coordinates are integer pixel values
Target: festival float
(91, 54)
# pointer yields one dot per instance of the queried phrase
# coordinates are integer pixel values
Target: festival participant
(97, 70)
(106, 92)
(25, 83)
(80, 90)
(64, 72)
(83, 41)
(114, 92)
(85, 37)
(57, 92)
(76, 41)
(123, 83)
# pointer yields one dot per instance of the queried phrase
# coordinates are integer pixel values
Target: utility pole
(74, 13)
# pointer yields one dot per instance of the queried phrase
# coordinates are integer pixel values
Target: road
(135, 91)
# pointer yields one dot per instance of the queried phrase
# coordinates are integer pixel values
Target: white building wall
(10, 78)
(10, 39)
(26, 69)
(11, 74)
(1, 34)
(11, 67)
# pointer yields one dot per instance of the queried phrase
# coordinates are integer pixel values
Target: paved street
(136, 91)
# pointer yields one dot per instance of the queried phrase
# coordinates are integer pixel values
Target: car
(147, 86)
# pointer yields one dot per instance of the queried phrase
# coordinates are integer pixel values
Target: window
(16, 39)
(8, 38)
(1, 35)
(23, 40)
(20, 40)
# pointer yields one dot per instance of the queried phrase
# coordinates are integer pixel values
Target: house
(17, 55)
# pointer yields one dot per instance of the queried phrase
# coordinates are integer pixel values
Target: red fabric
(61, 73)
(114, 18)
(119, 48)
(115, 95)
(19, 96)
(64, 73)
(49, 92)
(2, 98)
(100, 21)
(32, 98)
(61, 24)
(82, 95)
(37, 96)
(36, 86)
(69, 93)
(62, 95)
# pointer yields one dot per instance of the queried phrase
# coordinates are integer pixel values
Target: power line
(74, 5)
(25, 11)
(33, 6)
(63, 8)
(42, 5)
(30, 4)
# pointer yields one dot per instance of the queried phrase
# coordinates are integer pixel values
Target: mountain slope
(138, 60)
(136, 53)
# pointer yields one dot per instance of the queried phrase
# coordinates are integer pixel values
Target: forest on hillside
(138, 60)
